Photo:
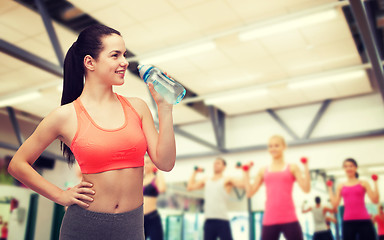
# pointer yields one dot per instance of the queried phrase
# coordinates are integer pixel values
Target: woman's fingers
(84, 187)
(85, 184)
(156, 96)
(85, 190)
(81, 203)
(84, 197)
(80, 194)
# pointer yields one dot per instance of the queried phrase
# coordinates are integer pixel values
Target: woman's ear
(89, 63)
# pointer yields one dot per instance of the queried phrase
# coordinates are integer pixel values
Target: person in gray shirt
(216, 194)
(322, 232)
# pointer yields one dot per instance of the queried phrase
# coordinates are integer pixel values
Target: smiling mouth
(120, 72)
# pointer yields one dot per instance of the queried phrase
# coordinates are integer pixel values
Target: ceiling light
(335, 172)
(324, 62)
(19, 99)
(235, 97)
(327, 79)
(181, 52)
(376, 169)
(283, 26)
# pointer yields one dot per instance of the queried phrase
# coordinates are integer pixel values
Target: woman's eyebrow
(117, 51)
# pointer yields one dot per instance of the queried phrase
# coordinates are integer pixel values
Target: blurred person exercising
(357, 224)
(322, 231)
(154, 184)
(216, 194)
(279, 215)
(379, 220)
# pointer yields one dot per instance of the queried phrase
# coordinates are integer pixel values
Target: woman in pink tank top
(279, 216)
(379, 220)
(357, 224)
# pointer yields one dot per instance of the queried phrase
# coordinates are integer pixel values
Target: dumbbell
(304, 160)
(198, 169)
(374, 177)
(245, 167)
(329, 183)
(154, 170)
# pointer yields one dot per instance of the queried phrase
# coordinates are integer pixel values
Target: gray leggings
(82, 224)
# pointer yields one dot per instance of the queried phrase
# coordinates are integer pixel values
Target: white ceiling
(150, 27)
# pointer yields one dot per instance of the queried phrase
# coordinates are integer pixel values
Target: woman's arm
(20, 166)
(372, 194)
(335, 198)
(251, 189)
(303, 181)
(160, 182)
(161, 145)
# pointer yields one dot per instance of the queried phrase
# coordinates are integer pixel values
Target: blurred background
(308, 70)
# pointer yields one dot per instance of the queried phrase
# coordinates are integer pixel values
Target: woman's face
(276, 147)
(350, 169)
(111, 64)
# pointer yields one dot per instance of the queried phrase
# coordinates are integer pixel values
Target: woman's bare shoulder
(138, 104)
(136, 101)
(60, 118)
(63, 113)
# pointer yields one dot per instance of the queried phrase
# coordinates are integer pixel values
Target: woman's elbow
(16, 169)
(167, 168)
(305, 188)
(12, 168)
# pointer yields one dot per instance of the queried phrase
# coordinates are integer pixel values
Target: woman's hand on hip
(78, 194)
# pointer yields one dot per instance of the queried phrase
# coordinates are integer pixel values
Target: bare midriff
(116, 191)
(150, 204)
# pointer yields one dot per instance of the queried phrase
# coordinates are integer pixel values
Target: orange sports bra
(98, 150)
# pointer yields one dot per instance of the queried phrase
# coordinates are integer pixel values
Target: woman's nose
(124, 62)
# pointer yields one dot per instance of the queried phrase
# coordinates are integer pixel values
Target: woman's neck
(278, 160)
(96, 91)
(351, 179)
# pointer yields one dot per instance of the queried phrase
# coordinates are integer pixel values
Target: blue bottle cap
(143, 71)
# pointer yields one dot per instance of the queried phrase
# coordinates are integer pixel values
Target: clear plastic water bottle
(172, 91)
